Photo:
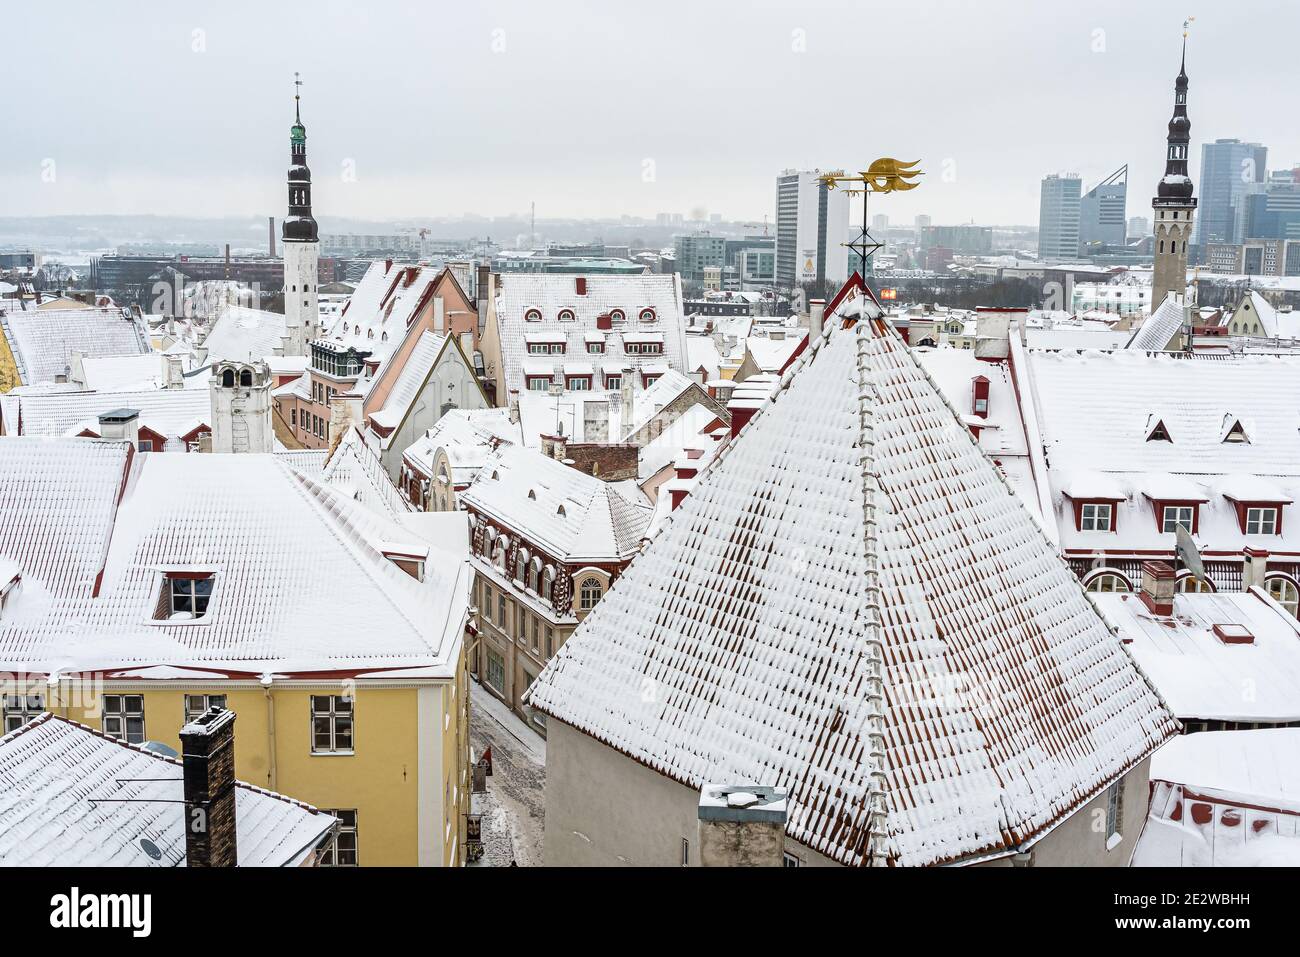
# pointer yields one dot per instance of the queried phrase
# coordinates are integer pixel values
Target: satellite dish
(150, 848)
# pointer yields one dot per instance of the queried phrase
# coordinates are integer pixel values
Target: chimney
(816, 319)
(580, 285)
(482, 290)
(120, 425)
(173, 372)
(1158, 588)
(1256, 564)
(514, 406)
(270, 228)
(993, 333)
(208, 756)
(626, 400)
(559, 448)
(742, 826)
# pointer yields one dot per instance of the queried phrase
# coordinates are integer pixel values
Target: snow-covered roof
(702, 354)
(1096, 415)
(854, 528)
(519, 294)
(1200, 676)
(354, 470)
(576, 412)
(302, 583)
(1159, 328)
(43, 340)
(171, 413)
(571, 515)
(410, 380)
(468, 436)
(771, 355)
(242, 333)
(134, 372)
(1224, 799)
(71, 796)
(384, 304)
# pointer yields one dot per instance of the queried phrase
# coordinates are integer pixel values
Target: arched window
(617, 316)
(1186, 583)
(589, 593)
(1108, 582)
(521, 565)
(647, 315)
(548, 582)
(533, 315)
(1284, 592)
(566, 315)
(534, 574)
(245, 377)
(228, 379)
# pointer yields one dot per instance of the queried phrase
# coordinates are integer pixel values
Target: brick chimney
(1158, 587)
(208, 754)
(580, 285)
(742, 826)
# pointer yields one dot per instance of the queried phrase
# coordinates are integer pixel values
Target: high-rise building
(1174, 205)
(301, 240)
(1273, 209)
(879, 222)
(1102, 210)
(812, 225)
(1139, 227)
(1229, 168)
(1058, 217)
(697, 252)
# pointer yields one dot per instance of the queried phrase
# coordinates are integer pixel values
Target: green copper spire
(298, 132)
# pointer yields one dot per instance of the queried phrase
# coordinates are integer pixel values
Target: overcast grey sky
(603, 109)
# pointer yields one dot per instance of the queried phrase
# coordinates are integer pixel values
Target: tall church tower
(1174, 204)
(301, 245)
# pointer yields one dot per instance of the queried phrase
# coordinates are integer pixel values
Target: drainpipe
(270, 732)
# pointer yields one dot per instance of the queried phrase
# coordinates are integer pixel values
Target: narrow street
(513, 809)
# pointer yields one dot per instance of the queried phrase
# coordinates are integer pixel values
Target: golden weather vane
(885, 175)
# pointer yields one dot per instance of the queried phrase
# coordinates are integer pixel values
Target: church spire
(1176, 184)
(1173, 204)
(299, 226)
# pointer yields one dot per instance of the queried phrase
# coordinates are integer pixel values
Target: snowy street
(513, 808)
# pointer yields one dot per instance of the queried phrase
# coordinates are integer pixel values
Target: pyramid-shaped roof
(853, 604)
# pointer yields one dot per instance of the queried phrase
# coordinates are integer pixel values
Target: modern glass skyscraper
(1102, 211)
(1229, 168)
(1058, 217)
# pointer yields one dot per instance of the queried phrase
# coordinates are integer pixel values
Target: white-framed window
(1108, 583)
(649, 380)
(596, 348)
(184, 596)
(1188, 583)
(332, 724)
(1114, 813)
(566, 315)
(533, 315)
(589, 593)
(1095, 517)
(197, 704)
(648, 315)
(21, 708)
(1284, 592)
(1261, 521)
(341, 849)
(790, 860)
(537, 383)
(550, 641)
(686, 853)
(613, 382)
(1175, 515)
(578, 383)
(123, 717)
(495, 675)
(617, 317)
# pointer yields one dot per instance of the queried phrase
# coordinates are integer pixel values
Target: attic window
(495, 476)
(184, 596)
(533, 315)
(648, 315)
(1236, 433)
(409, 558)
(566, 315)
(560, 511)
(532, 496)
(617, 316)
(1159, 433)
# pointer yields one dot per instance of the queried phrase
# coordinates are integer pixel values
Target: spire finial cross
(297, 90)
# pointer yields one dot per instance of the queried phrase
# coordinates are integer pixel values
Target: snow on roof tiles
(43, 340)
(1007, 701)
(52, 770)
(549, 294)
(356, 471)
(382, 307)
(169, 412)
(570, 514)
(1159, 328)
(301, 582)
(410, 380)
(242, 334)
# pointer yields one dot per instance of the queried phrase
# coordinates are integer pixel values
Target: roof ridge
(877, 840)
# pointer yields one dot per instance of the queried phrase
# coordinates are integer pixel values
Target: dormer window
(184, 596)
(409, 558)
(648, 315)
(596, 348)
(1096, 517)
(1235, 432)
(1159, 433)
(617, 317)
(533, 315)
(980, 396)
(1261, 520)
(566, 315)
(1174, 515)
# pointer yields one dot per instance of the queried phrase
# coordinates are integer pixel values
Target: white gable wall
(450, 385)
